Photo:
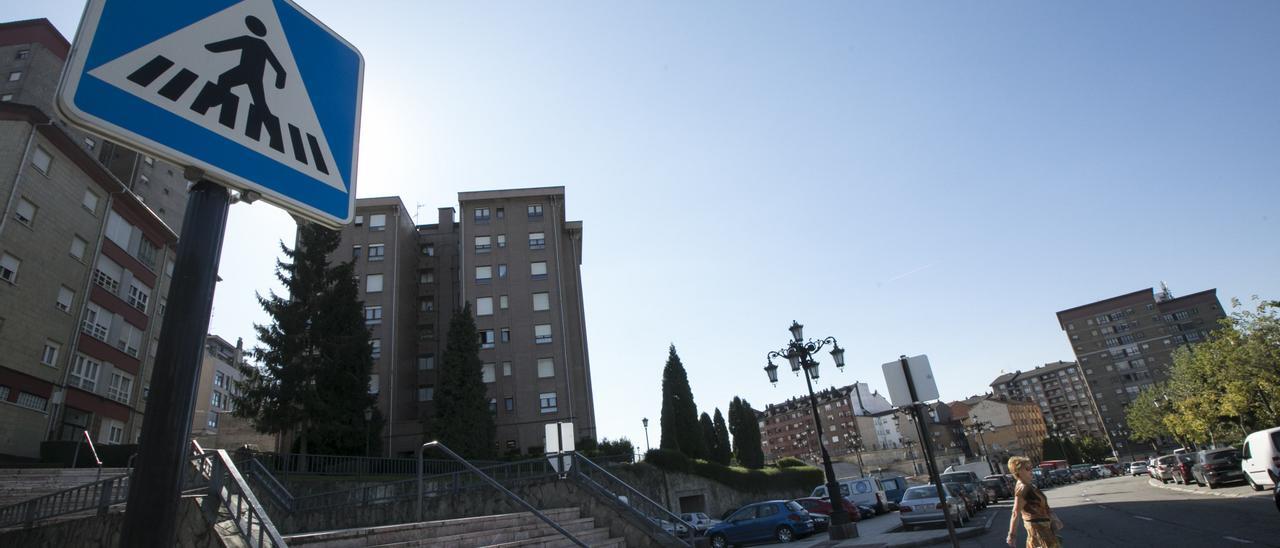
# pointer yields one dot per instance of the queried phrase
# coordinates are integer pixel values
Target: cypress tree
(463, 421)
(746, 437)
(315, 360)
(708, 435)
(722, 453)
(679, 421)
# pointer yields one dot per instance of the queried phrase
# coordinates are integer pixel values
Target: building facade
(516, 261)
(853, 418)
(1125, 344)
(1000, 427)
(1063, 395)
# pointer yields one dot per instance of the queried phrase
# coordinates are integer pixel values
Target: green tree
(312, 379)
(723, 452)
(1145, 414)
(463, 420)
(743, 424)
(617, 448)
(708, 429)
(679, 421)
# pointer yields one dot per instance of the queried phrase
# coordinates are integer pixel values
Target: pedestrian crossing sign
(257, 94)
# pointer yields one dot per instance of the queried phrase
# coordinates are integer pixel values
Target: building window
(372, 315)
(119, 231)
(147, 252)
(505, 334)
(426, 362)
(373, 283)
(547, 402)
(484, 306)
(427, 276)
(32, 401)
(90, 201)
(378, 222)
(129, 339)
(502, 302)
(355, 252)
(546, 368)
(97, 322)
(484, 274)
(538, 270)
(502, 240)
(84, 372)
(120, 388)
(78, 247)
(9, 268)
(375, 384)
(509, 404)
(429, 250)
(486, 338)
(89, 143)
(537, 240)
(481, 215)
(139, 295)
(25, 212)
(219, 379)
(506, 369)
(358, 221)
(487, 373)
(215, 400)
(542, 334)
(22, 54)
(375, 348)
(483, 244)
(377, 252)
(115, 433)
(65, 296)
(6, 98)
(213, 419)
(49, 356)
(15, 76)
(535, 211)
(427, 304)
(149, 160)
(502, 271)
(542, 301)
(41, 159)
(426, 393)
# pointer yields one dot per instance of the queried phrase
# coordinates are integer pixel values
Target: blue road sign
(256, 93)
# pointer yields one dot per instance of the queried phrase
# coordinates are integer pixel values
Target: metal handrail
(345, 465)
(278, 492)
(228, 491)
(490, 481)
(629, 497)
(100, 494)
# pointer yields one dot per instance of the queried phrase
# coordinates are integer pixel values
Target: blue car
(778, 520)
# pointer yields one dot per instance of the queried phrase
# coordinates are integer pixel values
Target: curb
(1174, 487)
(938, 539)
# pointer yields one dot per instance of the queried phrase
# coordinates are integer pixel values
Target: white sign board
(921, 376)
(559, 440)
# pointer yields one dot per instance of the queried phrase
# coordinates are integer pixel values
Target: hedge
(791, 478)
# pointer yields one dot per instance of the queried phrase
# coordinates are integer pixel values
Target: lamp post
(1056, 433)
(368, 418)
(978, 427)
(799, 353)
(645, 422)
(854, 443)
(911, 452)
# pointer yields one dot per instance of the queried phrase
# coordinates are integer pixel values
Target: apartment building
(1125, 344)
(1062, 393)
(1009, 426)
(848, 413)
(515, 259)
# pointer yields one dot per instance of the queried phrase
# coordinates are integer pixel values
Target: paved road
(1128, 512)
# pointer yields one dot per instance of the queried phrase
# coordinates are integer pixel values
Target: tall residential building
(787, 428)
(1125, 344)
(212, 423)
(1011, 426)
(511, 256)
(1062, 393)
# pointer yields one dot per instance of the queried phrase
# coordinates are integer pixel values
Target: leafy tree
(679, 421)
(1093, 450)
(746, 434)
(1145, 415)
(463, 421)
(613, 448)
(723, 452)
(313, 377)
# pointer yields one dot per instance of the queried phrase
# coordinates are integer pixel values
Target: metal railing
(596, 478)
(226, 492)
(99, 495)
(338, 465)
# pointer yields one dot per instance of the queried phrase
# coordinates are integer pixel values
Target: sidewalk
(875, 532)
(1231, 493)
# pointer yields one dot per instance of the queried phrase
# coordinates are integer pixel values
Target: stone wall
(104, 531)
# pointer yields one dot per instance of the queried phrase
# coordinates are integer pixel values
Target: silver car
(920, 505)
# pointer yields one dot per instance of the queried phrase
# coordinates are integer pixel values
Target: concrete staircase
(23, 484)
(504, 530)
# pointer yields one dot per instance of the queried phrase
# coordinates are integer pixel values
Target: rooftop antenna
(417, 213)
(1164, 294)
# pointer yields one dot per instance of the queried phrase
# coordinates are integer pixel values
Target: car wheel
(1252, 484)
(1210, 484)
(784, 534)
(718, 541)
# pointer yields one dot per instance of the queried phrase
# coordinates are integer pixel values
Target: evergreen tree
(722, 453)
(315, 360)
(746, 434)
(708, 429)
(463, 421)
(679, 421)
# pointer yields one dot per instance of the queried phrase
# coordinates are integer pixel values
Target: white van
(860, 491)
(1260, 453)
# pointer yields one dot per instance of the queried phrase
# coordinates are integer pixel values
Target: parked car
(1137, 468)
(920, 505)
(823, 506)
(999, 489)
(1215, 467)
(969, 498)
(894, 487)
(858, 491)
(700, 521)
(779, 520)
(1062, 476)
(1259, 454)
(1082, 472)
(1180, 470)
(1009, 483)
(867, 512)
(1164, 468)
(962, 477)
(677, 529)
(821, 522)
(1102, 471)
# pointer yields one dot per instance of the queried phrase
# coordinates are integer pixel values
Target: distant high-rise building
(1062, 394)
(515, 259)
(1125, 344)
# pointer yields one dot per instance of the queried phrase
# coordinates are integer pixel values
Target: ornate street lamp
(799, 354)
(645, 421)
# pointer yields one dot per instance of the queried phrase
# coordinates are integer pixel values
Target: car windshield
(1227, 454)
(920, 493)
(991, 482)
(955, 477)
(794, 506)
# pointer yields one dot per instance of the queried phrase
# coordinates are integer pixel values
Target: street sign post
(895, 377)
(255, 95)
(559, 443)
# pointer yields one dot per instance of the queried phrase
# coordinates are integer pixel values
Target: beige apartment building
(1062, 393)
(1010, 426)
(512, 256)
(1125, 344)
(212, 423)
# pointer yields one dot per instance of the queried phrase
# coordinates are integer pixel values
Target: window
(493, 405)
(486, 338)
(502, 240)
(484, 306)
(49, 356)
(537, 240)
(542, 334)
(483, 244)
(9, 268)
(547, 402)
(358, 221)
(378, 222)
(375, 384)
(426, 393)
(372, 315)
(481, 215)
(213, 419)
(97, 322)
(215, 400)
(149, 160)
(115, 433)
(89, 143)
(429, 250)
(120, 388)
(65, 296)
(426, 362)
(375, 348)
(107, 275)
(502, 302)
(219, 379)
(484, 274)
(501, 213)
(90, 201)
(502, 271)
(84, 372)
(373, 283)
(22, 54)
(427, 304)
(139, 294)
(505, 335)
(506, 369)
(15, 76)
(26, 212)
(546, 368)
(41, 159)
(538, 270)
(542, 301)
(535, 211)
(377, 252)
(509, 405)
(487, 373)
(78, 247)
(6, 98)
(119, 230)
(129, 340)
(355, 252)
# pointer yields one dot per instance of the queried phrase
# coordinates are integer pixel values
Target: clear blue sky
(909, 179)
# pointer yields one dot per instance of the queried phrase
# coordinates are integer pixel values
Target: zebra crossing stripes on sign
(255, 92)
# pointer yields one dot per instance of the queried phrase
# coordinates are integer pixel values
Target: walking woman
(1032, 507)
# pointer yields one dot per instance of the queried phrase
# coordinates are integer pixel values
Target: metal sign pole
(156, 484)
(928, 453)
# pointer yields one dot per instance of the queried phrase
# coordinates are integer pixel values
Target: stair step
(364, 536)
(495, 536)
(593, 537)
